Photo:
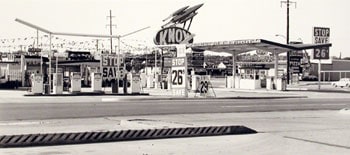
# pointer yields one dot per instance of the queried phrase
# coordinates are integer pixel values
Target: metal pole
(49, 77)
(118, 64)
(56, 64)
(319, 74)
(146, 64)
(97, 45)
(125, 82)
(41, 52)
(110, 27)
(276, 68)
(233, 70)
(155, 69)
(287, 39)
(324, 76)
(56, 75)
(37, 38)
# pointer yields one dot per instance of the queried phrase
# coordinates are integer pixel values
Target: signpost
(320, 36)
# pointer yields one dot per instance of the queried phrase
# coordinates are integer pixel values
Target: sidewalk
(293, 91)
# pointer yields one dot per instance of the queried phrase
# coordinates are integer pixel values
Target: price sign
(179, 76)
(204, 85)
(109, 65)
(321, 53)
(321, 36)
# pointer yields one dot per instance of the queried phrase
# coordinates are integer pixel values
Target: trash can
(46, 89)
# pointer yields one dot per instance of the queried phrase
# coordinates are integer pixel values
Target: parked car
(310, 78)
(343, 82)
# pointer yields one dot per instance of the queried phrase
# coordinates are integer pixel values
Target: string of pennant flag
(13, 44)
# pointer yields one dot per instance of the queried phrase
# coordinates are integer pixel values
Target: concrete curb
(123, 135)
(89, 94)
(217, 98)
(322, 91)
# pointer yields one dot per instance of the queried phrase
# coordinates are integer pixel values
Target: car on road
(309, 78)
(343, 82)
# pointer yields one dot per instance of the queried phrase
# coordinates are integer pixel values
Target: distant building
(336, 69)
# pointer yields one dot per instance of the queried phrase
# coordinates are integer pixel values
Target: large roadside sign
(109, 64)
(197, 59)
(295, 61)
(179, 76)
(172, 35)
(321, 36)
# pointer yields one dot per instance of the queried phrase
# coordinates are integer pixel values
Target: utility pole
(288, 3)
(110, 28)
(114, 84)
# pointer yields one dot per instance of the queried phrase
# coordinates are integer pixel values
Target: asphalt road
(107, 106)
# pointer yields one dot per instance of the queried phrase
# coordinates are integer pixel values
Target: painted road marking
(110, 99)
(22, 123)
(317, 142)
(288, 105)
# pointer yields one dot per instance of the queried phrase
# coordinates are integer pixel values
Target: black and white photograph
(174, 77)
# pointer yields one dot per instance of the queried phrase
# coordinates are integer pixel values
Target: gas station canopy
(242, 46)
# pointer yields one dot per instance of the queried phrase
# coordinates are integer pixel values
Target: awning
(242, 46)
(78, 63)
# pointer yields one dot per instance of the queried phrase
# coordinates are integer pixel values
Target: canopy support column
(233, 69)
(276, 68)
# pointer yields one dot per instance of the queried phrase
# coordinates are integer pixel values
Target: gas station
(244, 75)
(246, 78)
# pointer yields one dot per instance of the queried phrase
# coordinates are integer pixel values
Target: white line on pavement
(288, 105)
(19, 123)
(109, 99)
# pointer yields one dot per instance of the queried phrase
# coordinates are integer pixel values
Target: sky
(217, 20)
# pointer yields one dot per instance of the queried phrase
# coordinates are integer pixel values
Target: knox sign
(172, 35)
